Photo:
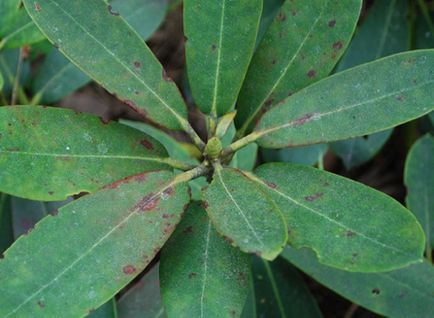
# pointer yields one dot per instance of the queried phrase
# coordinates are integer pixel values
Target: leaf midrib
(89, 250)
(162, 101)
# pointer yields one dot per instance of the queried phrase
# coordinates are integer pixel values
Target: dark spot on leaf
(233, 312)
(54, 212)
(192, 275)
(326, 184)
(294, 12)
(37, 7)
(281, 16)
(268, 104)
(41, 304)
(187, 230)
(136, 92)
(9, 124)
(271, 185)
(400, 98)
(110, 9)
(350, 233)
(137, 64)
(205, 204)
(228, 239)
(332, 23)
(167, 216)
(314, 197)
(104, 121)
(147, 144)
(148, 203)
(273, 62)
(311, 73)
(337, 45)
(129, 269)
(213, 47)
(166, 77)
(169, 191)
(50, 192)
(129, 103)
(56, 45)
(375, 291)
(303, 120)
(14, 149)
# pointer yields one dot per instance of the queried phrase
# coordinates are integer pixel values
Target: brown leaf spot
(129, 269)
(337, 45)
(54, 212)
(271, 185)
(213, 47)
(332, 23)
(129, 103)
(268, 104)
(192, 275)
(314, 197)
(137, 64)
(50, 192)
(311, 73)
(168, 192)
(350, 233)
(228, 239)
(233, 312)
(400, 98)
(148, 203)
(205, 204)
(376, 291)
(294, 13)
(187, 230)
(110, 9)
(167, 216)
(147, 144)
(281, 16)
(303, 120)
(104, 121)
(41, 304)
(37, 7)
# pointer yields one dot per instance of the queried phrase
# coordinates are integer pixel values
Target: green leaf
(303, 44)
(357, 151)
(2, 82)
(419, 179)
(242, 212)
(308, 155)
(221, 37)
(404, 293)
(108, 310)
(348, 225)
(197, 265)
(26, 213)
(17, 29)
(143, 15)
(249, 310)
(281, 292)
(89, 33)
(105, 239)
(424, 34)
(8, 67)
(245, 158)
(143, 299)
(270, 8)
(357, 102)
(62, 153)
(57, 78)
(6, 232)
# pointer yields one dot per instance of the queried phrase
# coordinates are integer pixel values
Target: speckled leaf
(197, 265)
(57, 78)
(242, 212)
(108, 310)
(419, 179)
(388, 20)
(26, 213)
(61, 153)
(357, 102)
(308, 155)
(143, 299)
(404, 293)
(89, 33)
(143, 15)
(105, 239)
(6, 232)
(303, 45)
(280, 291)
(356, 151)
(348, 225)
(221, 36)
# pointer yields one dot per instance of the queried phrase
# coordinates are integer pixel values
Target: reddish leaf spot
(192, 275)
(311, 73)
(314, 197)
(332, 23)
(167, 216)
(148, 203)
(337, 45)
(187, 230)
(147, 144)
(168, 192)
(205, 204)
(129, 103)
(303, 120)
(41, 304)
(110, 9)
(271, 185)
(129, 269)
(104, 121)
(137, 64)
(37, 7)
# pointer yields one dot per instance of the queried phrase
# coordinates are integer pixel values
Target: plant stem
(192, 174)
(240, 143)
(192, 133)
(178, 164)
(16, 83)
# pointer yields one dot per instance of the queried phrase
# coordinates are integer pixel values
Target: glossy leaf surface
(89, 33)
(57, 78)
(221, 36)
(302, 45)
(197, 265)
(143, 299)
(348, 225)
(242, 212)
(419, 179)
(63, 153)
(404, 293)
(101, 237)
(143, 15)
(308, 155)
(354, 102)
(281, 292)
